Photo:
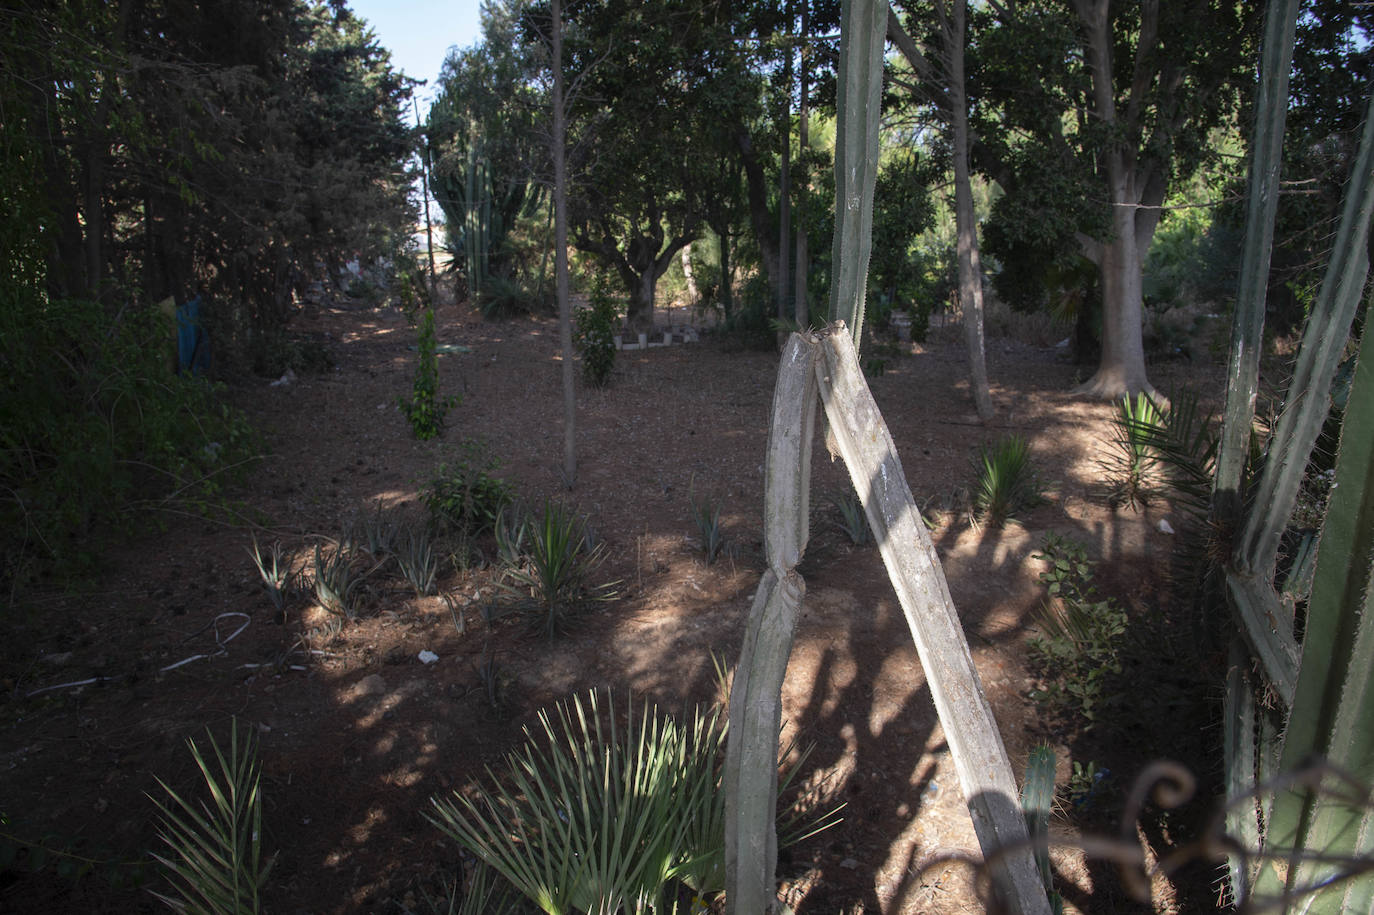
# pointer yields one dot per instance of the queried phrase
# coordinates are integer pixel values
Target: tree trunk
(759, 217)
(692, 293)
(560, 235)
(1121, 371)
(970, 264)
(727, 290)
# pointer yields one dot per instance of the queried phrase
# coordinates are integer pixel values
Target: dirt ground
(357, 733)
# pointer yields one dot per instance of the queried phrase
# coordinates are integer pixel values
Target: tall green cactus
(1037, 801)
(1310, 839)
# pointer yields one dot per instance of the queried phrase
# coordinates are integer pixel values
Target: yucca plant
(1007, 483)
(417, 560)
(214, 851)
(552, 584)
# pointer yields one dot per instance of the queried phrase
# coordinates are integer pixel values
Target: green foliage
(96, 430)
(595, 332)
(1037, 802)
(273, 353)
(337, 580)
(465, 496)
(1133, 468)
(1079, 653)
(551, 583)
(417, 560)
(1006, 481)
(214, 857)
(591, 816)
(1161, 449)
(276, 574)
(706, 516)
(853, 521)
(426, 409)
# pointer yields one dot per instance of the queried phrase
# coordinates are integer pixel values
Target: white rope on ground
(218, 641)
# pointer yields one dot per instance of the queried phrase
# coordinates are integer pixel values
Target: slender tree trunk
(800, 310)
(785, 180)
(970, 264)
(727, 285)
(692, 292)
(560, 235)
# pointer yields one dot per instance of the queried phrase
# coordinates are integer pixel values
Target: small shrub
(552, 584)
(426, 409)
(1007, 484)
(596, 329)
(465, 496)
(502, 297)
(1080, 651)
(214, 858)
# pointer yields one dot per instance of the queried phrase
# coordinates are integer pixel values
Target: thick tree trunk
(970, 264)
(759, 217)
(560, 235)
(1121, 370)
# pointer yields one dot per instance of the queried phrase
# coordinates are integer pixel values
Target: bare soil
(357, 733)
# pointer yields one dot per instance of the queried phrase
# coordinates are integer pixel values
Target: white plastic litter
(1165, 527)
(428, 657)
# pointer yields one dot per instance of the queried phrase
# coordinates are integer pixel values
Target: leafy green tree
(660, 84)
(1087, 112)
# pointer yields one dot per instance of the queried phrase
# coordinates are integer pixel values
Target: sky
(419, 33)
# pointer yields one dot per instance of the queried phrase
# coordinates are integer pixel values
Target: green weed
(465, 496)
(552, 584)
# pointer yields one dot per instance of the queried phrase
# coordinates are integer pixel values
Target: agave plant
(337, 581)
(214, 858)
(417, 560)
(275, 573)
(706, 514)
(552, 584)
